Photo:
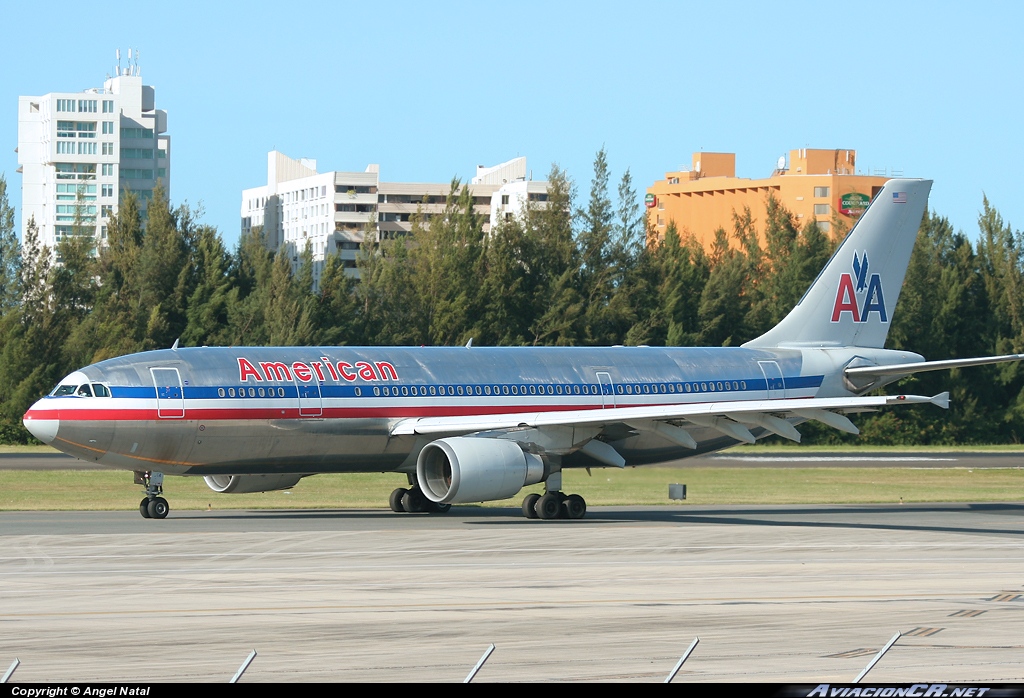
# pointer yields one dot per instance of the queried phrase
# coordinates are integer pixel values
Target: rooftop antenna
(118, 52)
(138, 71)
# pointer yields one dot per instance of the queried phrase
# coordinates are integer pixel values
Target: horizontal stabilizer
(942, 400)
(920, 366)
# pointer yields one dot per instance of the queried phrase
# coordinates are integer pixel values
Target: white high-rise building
(329, 212)
(79, 151)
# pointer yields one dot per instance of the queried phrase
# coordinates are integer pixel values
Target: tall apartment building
(79, 151)
(331, 212)
(817, 184)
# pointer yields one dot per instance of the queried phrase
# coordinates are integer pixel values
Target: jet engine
(474, 469)
(243, 484)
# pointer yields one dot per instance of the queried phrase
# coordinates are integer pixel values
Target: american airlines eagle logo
(859, 294)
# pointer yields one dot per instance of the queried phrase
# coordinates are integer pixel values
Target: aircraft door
(773, 377)
(170, 398)
(604, 379)
(310, 400)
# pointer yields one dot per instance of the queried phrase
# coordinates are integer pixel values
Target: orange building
(817, 184)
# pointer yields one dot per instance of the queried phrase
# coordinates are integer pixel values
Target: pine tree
(10, 254)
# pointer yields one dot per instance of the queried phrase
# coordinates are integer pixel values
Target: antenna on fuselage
(469, 344)
(175, 345)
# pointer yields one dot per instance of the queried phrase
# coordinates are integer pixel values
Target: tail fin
(851, 303)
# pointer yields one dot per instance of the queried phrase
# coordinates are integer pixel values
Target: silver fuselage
(210, 411)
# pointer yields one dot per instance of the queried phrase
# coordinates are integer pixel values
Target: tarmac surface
(742, 459)
(794, 594)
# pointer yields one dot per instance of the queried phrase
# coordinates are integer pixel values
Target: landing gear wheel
(144, 508)
(396, 500)
(437, 507)
(575, 506)
(549, 506)
(414, 502)
(158, 508)
(530, 505)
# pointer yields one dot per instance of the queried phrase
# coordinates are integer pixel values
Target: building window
(108, 106)
(65, 105)
(107, 190)
(821, 192)
(136, 132)
(87, 105)
(504, 199)
(824, 226)
(108, 169)
(106, 210)
(65, 147)
(821, 209)
(86, 148)
(108, 148)
(137, 153)
(108, 127)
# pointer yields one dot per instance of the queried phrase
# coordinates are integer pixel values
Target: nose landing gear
(153, 506)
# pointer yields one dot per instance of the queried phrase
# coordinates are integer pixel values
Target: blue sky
(430, 90)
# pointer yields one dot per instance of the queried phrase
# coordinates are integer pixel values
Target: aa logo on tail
(858, 294)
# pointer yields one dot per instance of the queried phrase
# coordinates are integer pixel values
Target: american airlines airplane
(472, 424)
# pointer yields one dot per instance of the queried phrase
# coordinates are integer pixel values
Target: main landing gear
(153, 506)
(554, 505)
(413, 501)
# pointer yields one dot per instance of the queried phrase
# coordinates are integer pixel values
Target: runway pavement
(802, 594)
(798, 458)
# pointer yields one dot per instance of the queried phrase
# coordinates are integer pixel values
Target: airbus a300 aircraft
(472, 424)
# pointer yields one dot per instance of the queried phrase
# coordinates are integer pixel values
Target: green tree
(10, 254)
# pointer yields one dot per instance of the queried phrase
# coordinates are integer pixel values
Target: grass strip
(70, 490)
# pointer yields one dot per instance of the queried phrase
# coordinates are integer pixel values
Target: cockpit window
(100, 390)
(64, 390)
(84, 390)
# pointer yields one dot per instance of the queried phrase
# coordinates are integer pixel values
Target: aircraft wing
(729, 418)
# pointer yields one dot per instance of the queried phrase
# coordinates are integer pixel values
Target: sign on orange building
(820, 185)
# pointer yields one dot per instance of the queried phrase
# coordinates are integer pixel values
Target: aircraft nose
(42, 423)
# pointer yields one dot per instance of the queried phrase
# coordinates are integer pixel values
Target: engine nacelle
(244, 484)
(472, 469)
